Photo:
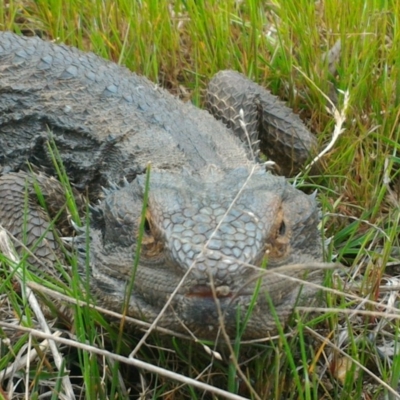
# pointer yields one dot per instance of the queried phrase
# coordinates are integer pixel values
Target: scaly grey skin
(273, 128)
(214, 215)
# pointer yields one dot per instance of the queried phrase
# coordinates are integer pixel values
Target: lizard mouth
(206, 292)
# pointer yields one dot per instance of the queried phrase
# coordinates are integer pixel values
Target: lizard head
(216, 243)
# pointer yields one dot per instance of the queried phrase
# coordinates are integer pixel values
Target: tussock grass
(180, 45)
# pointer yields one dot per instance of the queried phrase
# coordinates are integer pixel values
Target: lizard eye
(282, 229)
(147, 227)
(278, 244)
(152, 244)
